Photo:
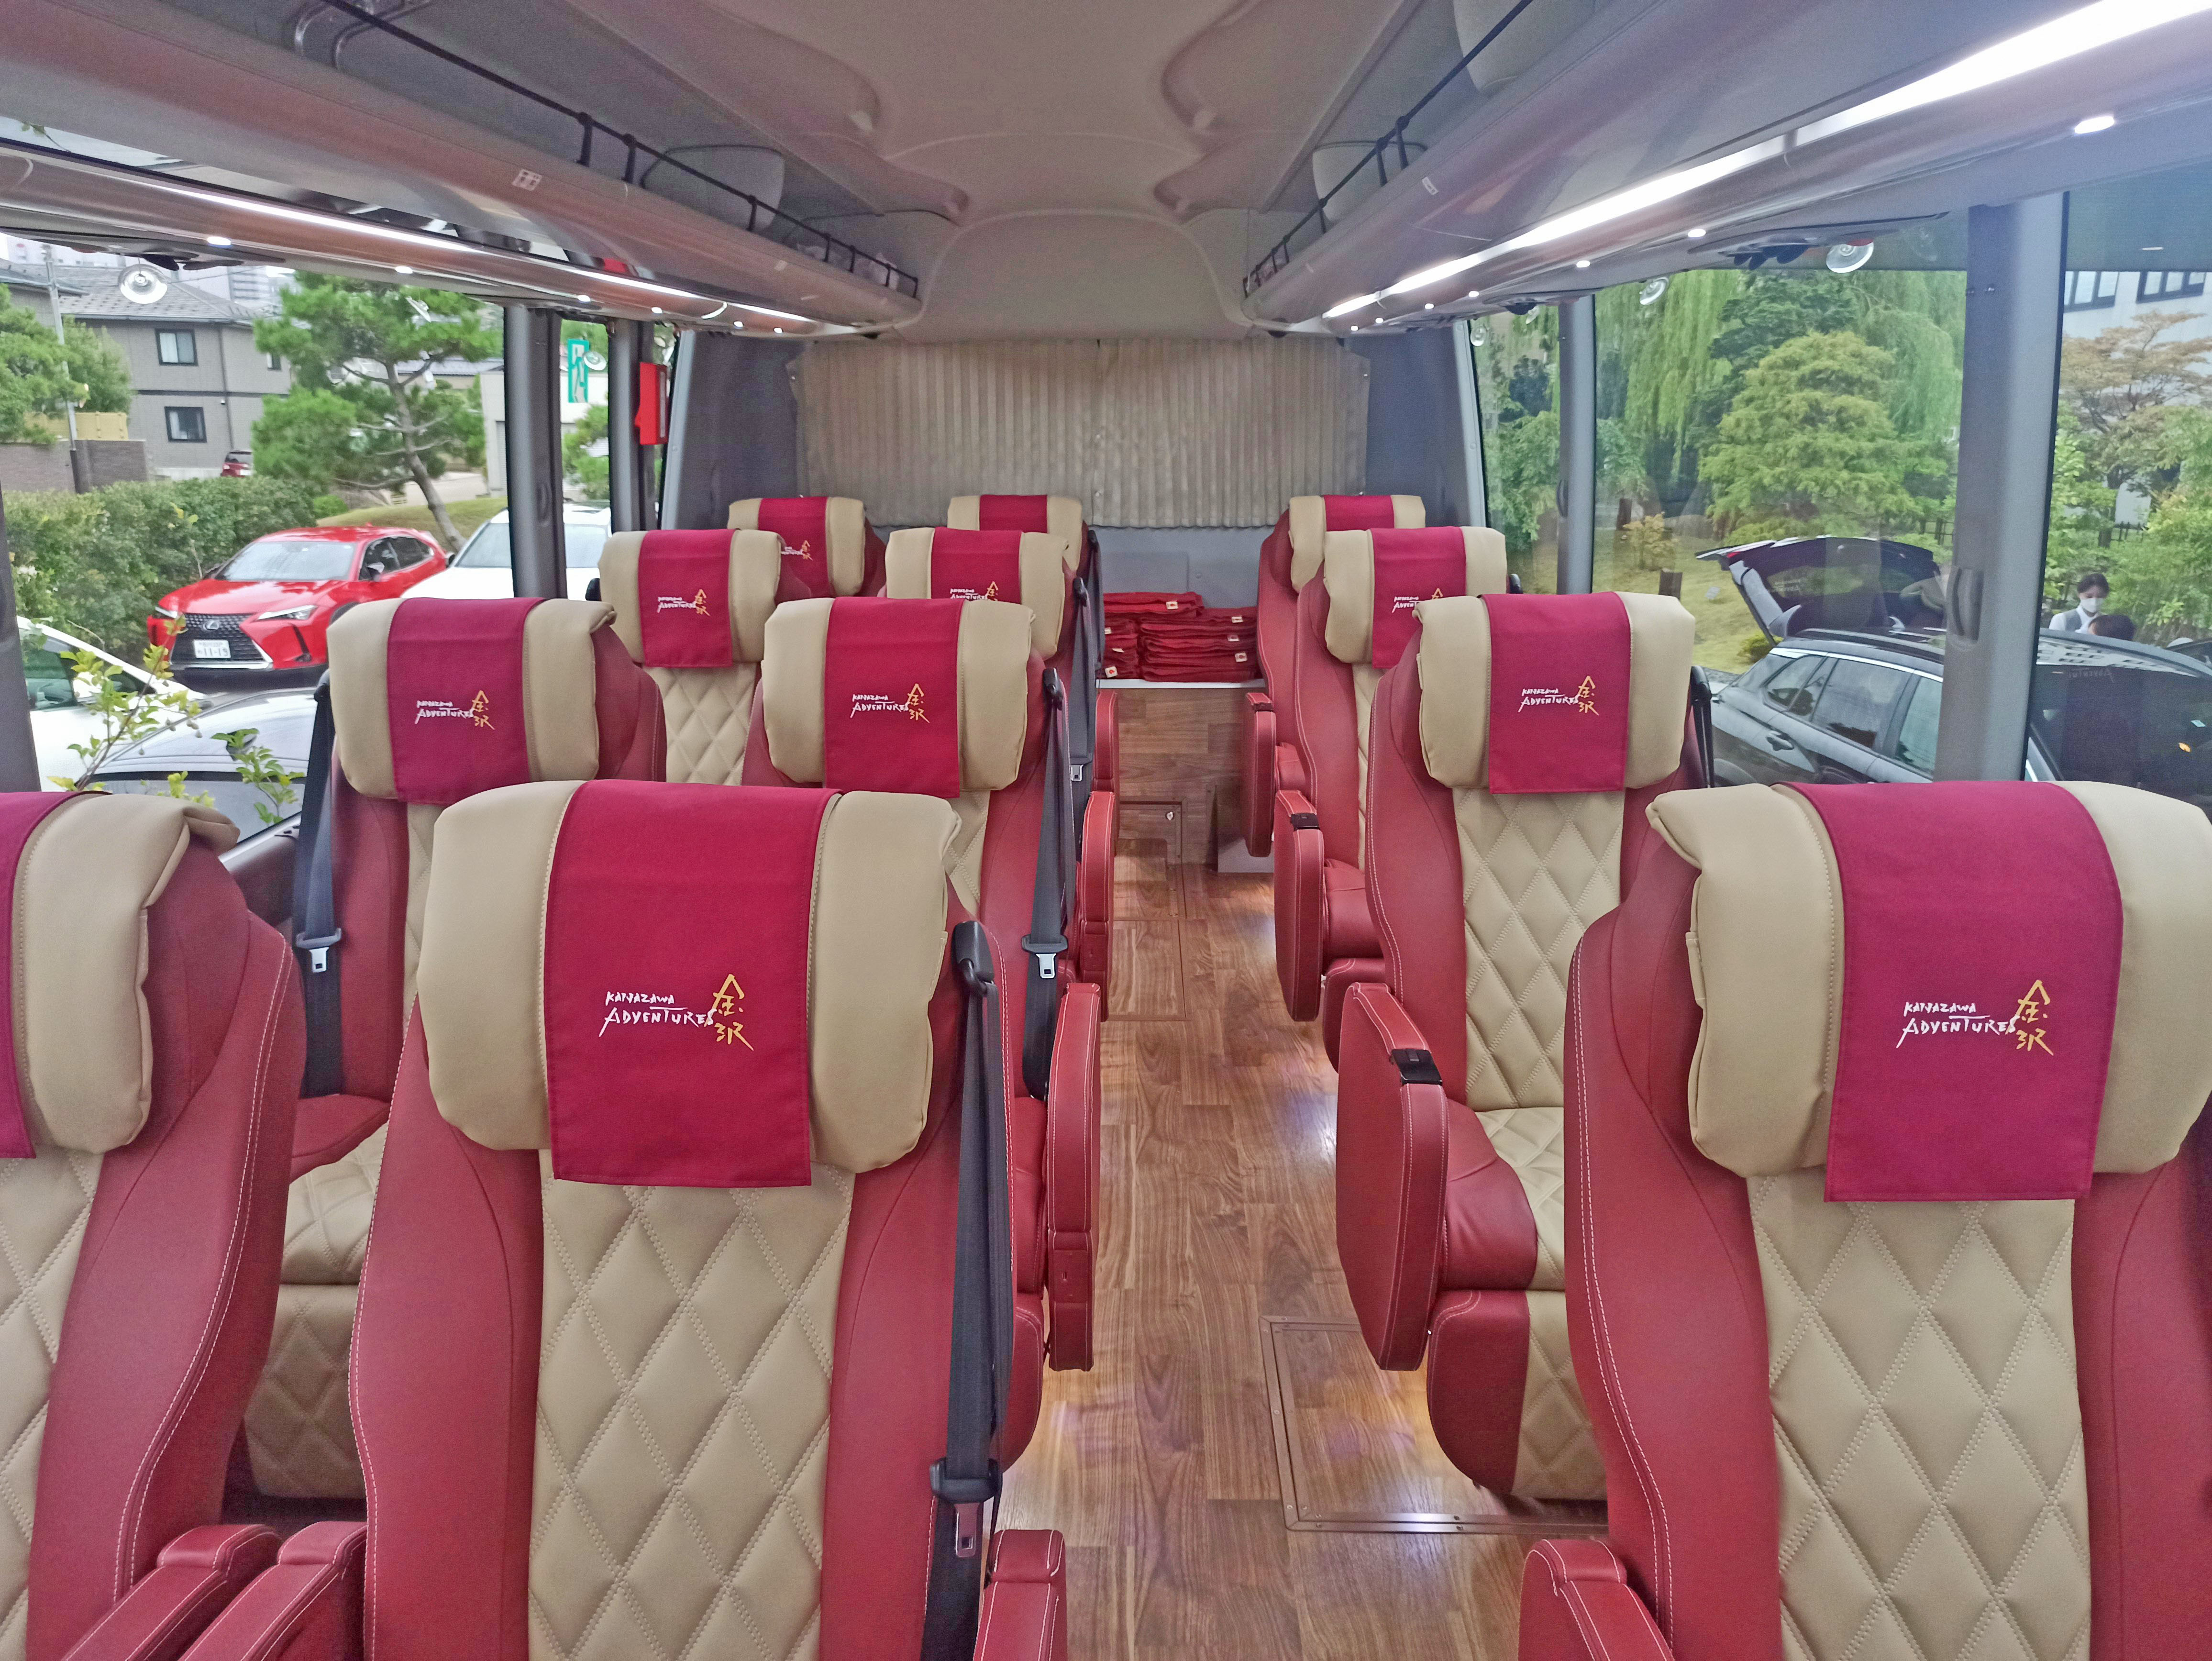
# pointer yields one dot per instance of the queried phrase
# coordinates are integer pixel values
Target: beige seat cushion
(844, 521)
(1063, 518)
(1309, 527)
(1044, 582)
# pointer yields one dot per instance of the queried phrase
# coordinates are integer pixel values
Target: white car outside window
(484, 568)
(61, 713)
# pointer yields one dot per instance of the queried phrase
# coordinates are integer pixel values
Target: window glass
(1516, 371)
(187, 424)
(52, 684)
(176, 346)
(2122, 717)
(234, 798)
(1796, 685)
(1915, 743)
(412, 552)
(1810, 402)
(492, 547)
(291, 559)
(1856, 700)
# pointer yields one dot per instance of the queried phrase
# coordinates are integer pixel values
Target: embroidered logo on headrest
(990, 593)
(477, 710)
(2027, 1026)
(678, 603)
(660, 1009)
(1398, 602)
(914, 706)
(1583, 698)
(805, 551)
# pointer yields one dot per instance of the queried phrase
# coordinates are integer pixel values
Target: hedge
(94, 564)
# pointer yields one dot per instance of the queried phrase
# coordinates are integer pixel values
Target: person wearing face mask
(2089, 596)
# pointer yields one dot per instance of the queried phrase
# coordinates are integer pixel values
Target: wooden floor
(1218, 1280)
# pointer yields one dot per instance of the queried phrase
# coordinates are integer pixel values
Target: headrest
(1027, 567)
(77, 876)
(1059, 516)
(498, 993)
(496, 711)
(826, 537)
(1416, 565)
(1767, 960)
(755, 570)
(990, 720)
(1455, 663)
(1312, 518)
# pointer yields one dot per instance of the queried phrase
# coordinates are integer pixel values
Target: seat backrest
(581, 710)
(1309, 519)
(1059, 516)
(1024, 568)
(1481, 886)
(828, 547)
(654, 1343)
(1352, 626)
(709, 666)
(1889, 1288)
(147, 1084)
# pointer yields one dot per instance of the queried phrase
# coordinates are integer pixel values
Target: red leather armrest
(1259, 773)
(328, 1128)
(1392, 1139)
(1106, 743)
(195, 1575)
(1094, 889)
(1300, 921)
(1336, 981)
(1025, 1615)
(1577, 1605)
(1290, 768)
(1070, 1182)
(307, 1608)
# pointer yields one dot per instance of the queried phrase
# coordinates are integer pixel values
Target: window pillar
(533, 454)
(1577, 445)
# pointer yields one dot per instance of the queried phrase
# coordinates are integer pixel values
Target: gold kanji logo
(914, 704)
(480, 710)
(729, 1003)
(2028, 1030)
(698, 602)
(1586, 696)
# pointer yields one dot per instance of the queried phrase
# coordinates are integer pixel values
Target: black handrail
(1280, 256)
(800, 237)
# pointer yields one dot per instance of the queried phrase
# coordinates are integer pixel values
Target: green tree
(1808, 444)
(2163, 578)
(1669, 375)
(41, 376)
(589, 471)
(367, 413)
(2124, 385)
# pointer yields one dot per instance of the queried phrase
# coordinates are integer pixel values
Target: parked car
(61, 714)
(267, 610)
(238, 464)
(284, 723)
(1852, 705)
(484, 568)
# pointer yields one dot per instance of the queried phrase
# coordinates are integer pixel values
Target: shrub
(94, 564)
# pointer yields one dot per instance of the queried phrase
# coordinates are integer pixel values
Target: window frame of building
(2171, 285)
(197, 417)
(2103, 288)
(273, 360)
(180, 348)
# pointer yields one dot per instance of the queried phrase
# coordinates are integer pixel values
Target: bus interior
(1046, 832)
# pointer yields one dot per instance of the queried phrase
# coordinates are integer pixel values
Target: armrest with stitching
(307, 1608)
(1301, 861)
(1106, 743)
(1392, 1146)
(1290, 767)
(195, 1575)
(1094, 889)
(1259, 773)
(1071, 1156)
(1024, 1615)
(1577, 1605)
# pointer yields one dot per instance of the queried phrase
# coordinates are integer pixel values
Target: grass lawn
(466, 515)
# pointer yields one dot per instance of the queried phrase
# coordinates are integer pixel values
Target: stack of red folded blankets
(1160, 636)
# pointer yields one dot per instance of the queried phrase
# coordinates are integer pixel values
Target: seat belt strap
(1701, 717)
(966, 1480)
(1048, 936)
(1083, 697)
(316, 936)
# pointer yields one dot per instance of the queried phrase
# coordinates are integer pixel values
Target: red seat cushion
(1348, 925)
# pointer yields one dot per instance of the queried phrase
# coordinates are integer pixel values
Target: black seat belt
(966, 1479)
(1049, 900)
(1083, 698)
(1701, 716)
(315, 932)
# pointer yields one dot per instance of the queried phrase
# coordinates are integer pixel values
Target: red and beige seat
(1289, 559)
(1352, 625)
(699, 639)
(1513, 753)
(662, 1336)
(897, 675)
(1894, 1309)
(829, 546)
(1028, 567)
(575, 706)
(147, 1081)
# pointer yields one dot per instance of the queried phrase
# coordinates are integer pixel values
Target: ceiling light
(404, 271)
(1428, 305)
(1474, 294)
(793, 317)
(2082, 30)
(1581, 264)
(1355, 328)
(2089, 124)
(779, 328)
(656, 311)
(1695, 232)
(218, 242)
(2153, 248)
(1358, 302)
(585, 298)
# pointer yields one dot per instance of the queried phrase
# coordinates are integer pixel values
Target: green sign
(579, 374)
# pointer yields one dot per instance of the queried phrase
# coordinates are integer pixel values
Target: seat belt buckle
(317, 948)
(1046, 953)
(967, 1495)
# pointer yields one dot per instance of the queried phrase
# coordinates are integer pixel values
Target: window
(291, 559)
(273, 360)
(380, 558)
(1517, 373)
(1915, 743)
(1794, 688)
(52, 684)
(2092, 290)
(1855, 701)
(2170, 285)
(176, 346)
(412, 552)
(187, 424)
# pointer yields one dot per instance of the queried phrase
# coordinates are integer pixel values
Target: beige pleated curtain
(1160, 433)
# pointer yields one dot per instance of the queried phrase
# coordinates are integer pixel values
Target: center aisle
(1162, 1467)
